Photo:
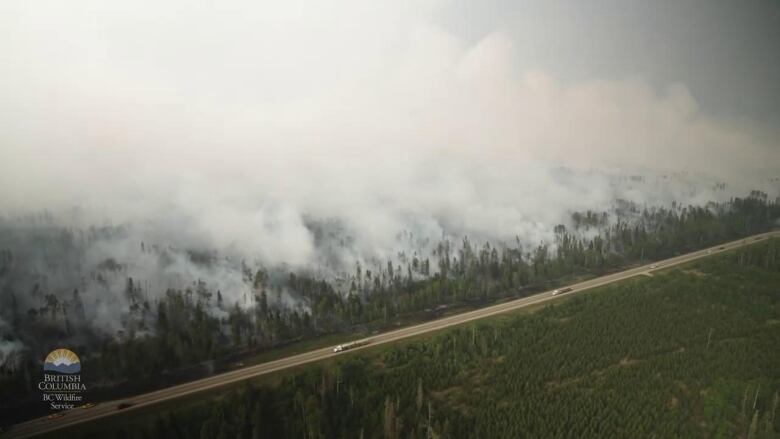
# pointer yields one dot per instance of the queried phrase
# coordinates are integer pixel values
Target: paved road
(78, 415)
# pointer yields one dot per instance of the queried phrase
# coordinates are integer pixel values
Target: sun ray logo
(62, 361)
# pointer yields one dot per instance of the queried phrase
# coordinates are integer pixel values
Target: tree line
(687, 353)
(195, 324)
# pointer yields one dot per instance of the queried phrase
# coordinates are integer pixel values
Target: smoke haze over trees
(239, 175)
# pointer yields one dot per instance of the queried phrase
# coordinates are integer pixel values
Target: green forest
(688, 352)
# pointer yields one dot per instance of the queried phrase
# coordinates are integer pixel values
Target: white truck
(561, 291)
(350, 345)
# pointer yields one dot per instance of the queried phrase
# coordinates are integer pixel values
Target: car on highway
(653, 266)
(561, 291)
(88, 405)
(721, 248)
(55, 415)
(352, 345)
(124, 405)
(709, 252)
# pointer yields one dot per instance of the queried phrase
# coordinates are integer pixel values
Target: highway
(105, 409)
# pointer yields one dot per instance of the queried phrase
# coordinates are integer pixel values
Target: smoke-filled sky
(320, 135)
(725, 52)
(232, 122)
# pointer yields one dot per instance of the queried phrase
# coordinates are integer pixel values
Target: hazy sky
(250, 115)
(725, 52)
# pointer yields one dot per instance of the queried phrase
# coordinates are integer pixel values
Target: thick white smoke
(237, 125)
(10, 349)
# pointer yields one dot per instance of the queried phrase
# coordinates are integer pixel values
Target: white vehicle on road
(346, 346)
(561, 291)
